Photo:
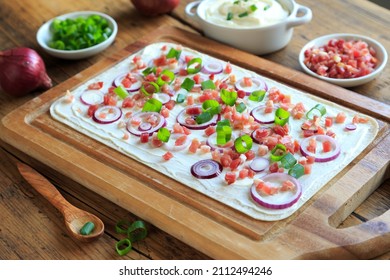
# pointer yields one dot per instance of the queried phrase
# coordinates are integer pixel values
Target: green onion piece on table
(123, 246)
(152, 105)
(163, 134)
(122, 226)
(194, 65)
(121, 92)
(319, 110)
(137, 231)
(278, 152)
(281, 116)
(243, 144)
(87, 228)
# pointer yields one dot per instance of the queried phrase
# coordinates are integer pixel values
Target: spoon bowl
(74, 218)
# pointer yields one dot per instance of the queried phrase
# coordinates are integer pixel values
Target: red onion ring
(144, 125)
(258, 114)
(212, 142)
(92, 97)
(212, 67)
(258, 84)
(182, 116)
(259, 164)
(134, 86)
(321, 157)
(278, 201)
(112, 113)
(206, 169)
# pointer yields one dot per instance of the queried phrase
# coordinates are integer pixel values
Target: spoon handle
(44, 187)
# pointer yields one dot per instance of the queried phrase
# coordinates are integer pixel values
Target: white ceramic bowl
(44, 35)
(256, 40)
(381, 54)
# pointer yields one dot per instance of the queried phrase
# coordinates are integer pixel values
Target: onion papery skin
(155, 7)
(329, 156)
(213, 167)
(22, 71)
(262, 200)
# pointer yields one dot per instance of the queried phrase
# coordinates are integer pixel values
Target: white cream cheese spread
(245, 14)
(74, 113)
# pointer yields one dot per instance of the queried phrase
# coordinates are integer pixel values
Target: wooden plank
(225, 238)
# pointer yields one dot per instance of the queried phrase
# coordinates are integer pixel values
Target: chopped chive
(173, 53)
(297, 171)
(281, 116)
(240, 107)
(253, 7)
(288, 161)
(194, 65)
(204, 117)
(224, 132)
(121, 92)
(149, 70)
(188, 84)
(257, 95)
(211, 106)
(229, 16)
(267, 7)
(243, 144)
(163, 134)
(152, 105)
(244, 14)
(209, 84)
(228, 97)
(87, 228)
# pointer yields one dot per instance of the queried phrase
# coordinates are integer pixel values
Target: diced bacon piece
(216, 155)
(250, 155)
(194, 110)
(226, 160)
(164, 112)
(190, 100)
(144, 138)
(243, 173)
(287, 186)
(228, 68)
(262, 150)
(181, 140)
(307, 168)
(328, 121)
(167, 156)
(274, 167)
(230, 177)
(340, 118)
(209, 130)
(326, 146)
(91, 110)
(235, 163)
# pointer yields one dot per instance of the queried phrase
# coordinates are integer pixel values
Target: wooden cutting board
(209, 226)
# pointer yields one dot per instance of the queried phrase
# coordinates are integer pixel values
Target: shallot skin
(22, 71)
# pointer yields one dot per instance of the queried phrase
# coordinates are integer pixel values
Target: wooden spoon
(74, 217)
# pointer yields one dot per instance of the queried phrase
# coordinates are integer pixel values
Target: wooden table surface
(31, 228)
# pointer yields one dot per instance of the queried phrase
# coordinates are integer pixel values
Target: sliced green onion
(197, 63)
(253, 8)
(278, 152)
(187, 84)
(149, 70)
(119, 227)
(243, 144)
(87, 228)
(229, 16)
(240, 107)
(297, 171)
(167, 73)
(137, 231)
(121, 92)
(164, 134)
(228, 97)
(180, 98)
(319, 110)
(204, 117)
(257, 95)
(211, 106)
(281, 116)
(267, 7)
(152, 105)
(149, 88)
(244, 14)
(288, 161)
(123, 246)
(209, 84)
(173, 53)
(224, 132)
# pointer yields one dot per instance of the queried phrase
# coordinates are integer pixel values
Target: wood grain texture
(146, 194)
(48, 239)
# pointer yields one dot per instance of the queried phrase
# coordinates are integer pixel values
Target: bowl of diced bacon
(346, 60)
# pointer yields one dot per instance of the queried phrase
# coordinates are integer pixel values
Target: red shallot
(22, 70)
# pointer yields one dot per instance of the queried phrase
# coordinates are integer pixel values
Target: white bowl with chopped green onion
(77, 35)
